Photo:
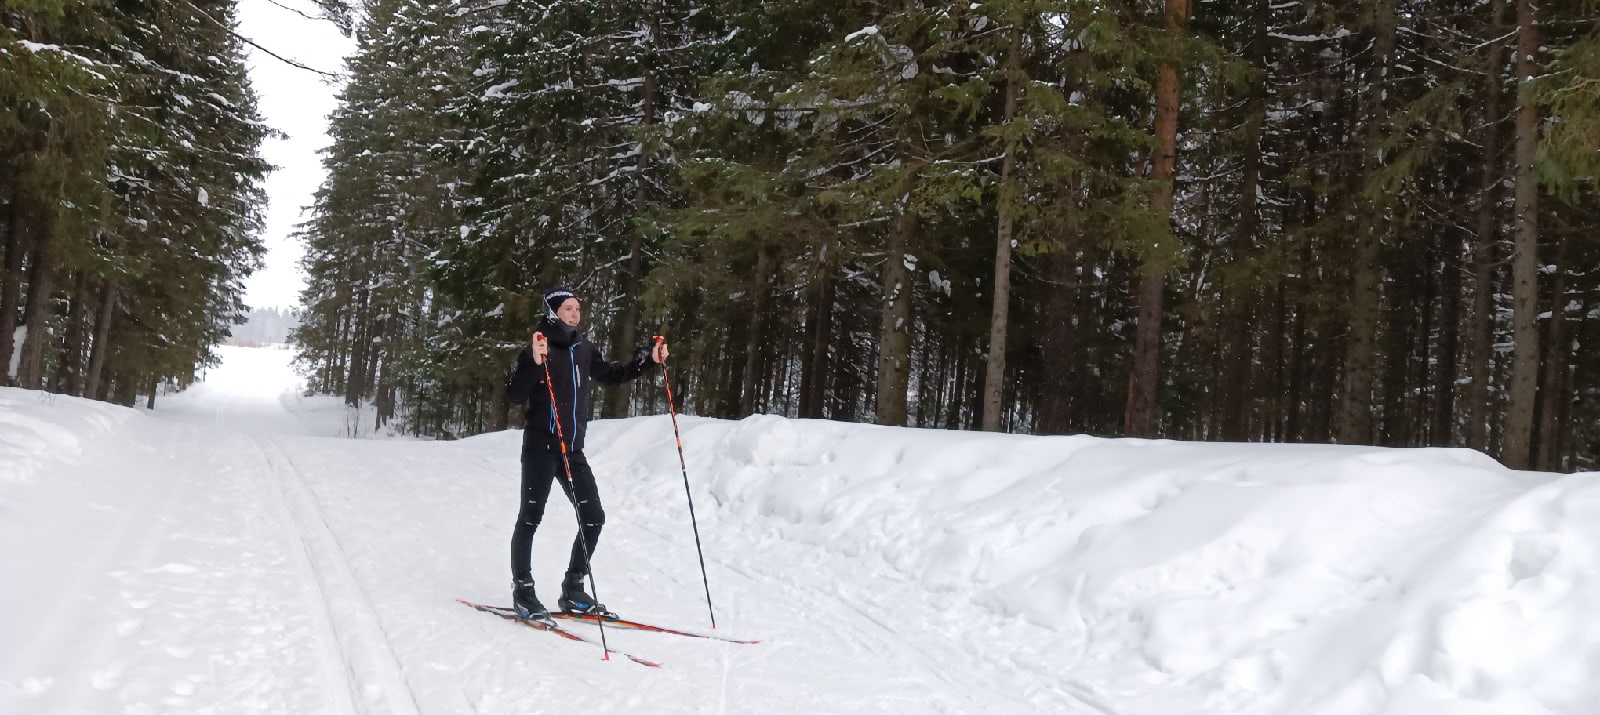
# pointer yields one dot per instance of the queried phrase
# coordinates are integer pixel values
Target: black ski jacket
(572, 362)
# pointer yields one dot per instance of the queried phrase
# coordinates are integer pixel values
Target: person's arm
(617, 373)
(529, 375)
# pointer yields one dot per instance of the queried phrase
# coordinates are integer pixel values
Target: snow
(42, 48)
(868, 31)
(1338, 34)
(218, 555)
(499, 90)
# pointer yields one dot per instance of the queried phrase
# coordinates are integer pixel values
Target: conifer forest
(1366, 222)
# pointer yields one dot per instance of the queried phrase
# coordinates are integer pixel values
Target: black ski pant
(541, 464)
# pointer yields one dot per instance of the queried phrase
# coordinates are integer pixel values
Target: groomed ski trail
(356, 658)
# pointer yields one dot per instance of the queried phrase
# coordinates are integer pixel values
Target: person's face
(570, 312)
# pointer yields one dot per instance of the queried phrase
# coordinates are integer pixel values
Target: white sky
(297, 103)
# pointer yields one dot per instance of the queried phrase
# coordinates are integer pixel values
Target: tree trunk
(1277, 366)
(1365, 300)
(69, 373)
(100, 351)
(376, 356)
(1088, 406)
(11, 278)
(894, 328)
(1324, 380)
(1398, 335)
(755, 334)
(40, 307)
(125, 389)
(929, 392)
(383, 397)
(1553, 393)
(1140, 415)
(813, 383)
(1479, 350)
(1525, 257)
(1000, 314)
(1296, 425)
(952, 412)
(360, 346)
(626, 334)
(1059, 343)
(1355, 398)
(1238, 408)
(847, 386)
(1442, 425)
(1571, 429)
(1235, 417)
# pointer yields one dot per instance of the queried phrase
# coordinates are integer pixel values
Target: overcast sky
(297, 103)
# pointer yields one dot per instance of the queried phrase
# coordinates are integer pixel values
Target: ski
(635, 625)
(551, 627)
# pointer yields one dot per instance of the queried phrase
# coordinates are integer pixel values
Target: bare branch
(253, 43)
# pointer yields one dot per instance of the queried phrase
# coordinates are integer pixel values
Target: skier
(571, 363)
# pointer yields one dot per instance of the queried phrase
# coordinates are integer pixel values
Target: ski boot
(526, 603)
(575, 600)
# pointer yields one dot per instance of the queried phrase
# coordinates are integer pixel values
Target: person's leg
(539, 466)
(585, 496)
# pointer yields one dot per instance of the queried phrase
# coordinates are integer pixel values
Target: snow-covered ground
(220, 554)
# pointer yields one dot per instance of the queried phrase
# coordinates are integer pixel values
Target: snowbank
(1193, 578)
(37, 428)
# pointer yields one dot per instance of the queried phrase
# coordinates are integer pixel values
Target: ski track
(317, 568)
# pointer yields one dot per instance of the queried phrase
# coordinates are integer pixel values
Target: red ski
(551, 627)
(635, 625)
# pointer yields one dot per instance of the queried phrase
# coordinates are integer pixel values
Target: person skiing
(571, 361)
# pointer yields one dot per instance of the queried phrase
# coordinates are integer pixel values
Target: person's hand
(541, 348)
(659, 352)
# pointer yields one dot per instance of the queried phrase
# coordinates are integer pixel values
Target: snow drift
(1178, 577)
(38, 428)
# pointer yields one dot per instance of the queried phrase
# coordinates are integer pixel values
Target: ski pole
(682, 464)
(572, 487)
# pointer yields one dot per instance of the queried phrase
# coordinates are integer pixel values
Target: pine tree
(132, 193)
(388, 205)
